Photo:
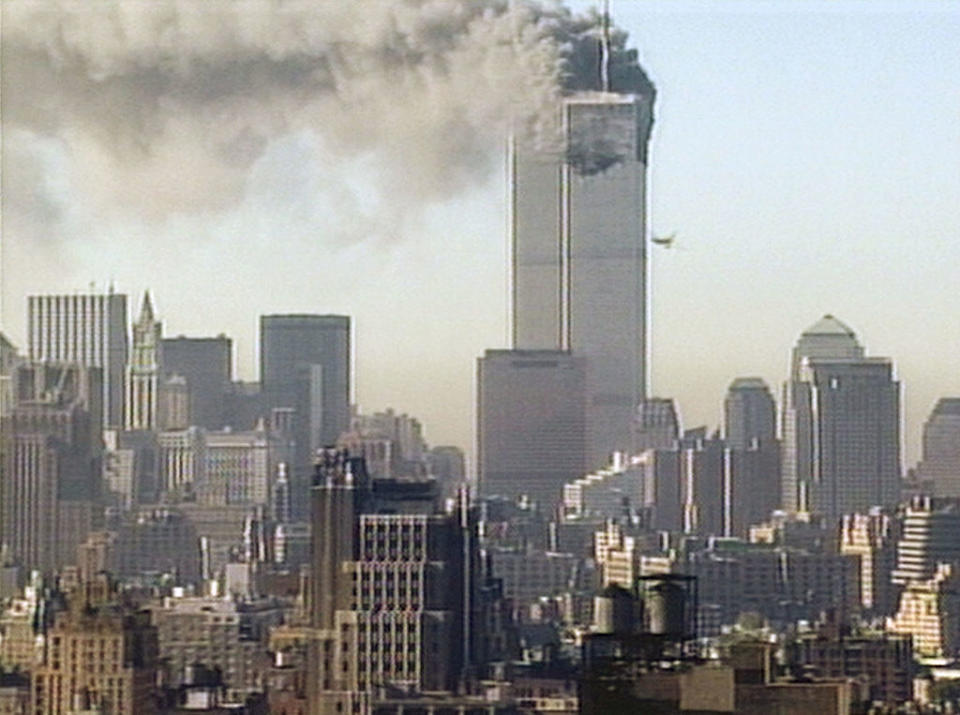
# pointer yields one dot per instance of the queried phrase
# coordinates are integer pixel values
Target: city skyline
(832, 217)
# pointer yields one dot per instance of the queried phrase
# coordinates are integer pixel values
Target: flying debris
(665, 241)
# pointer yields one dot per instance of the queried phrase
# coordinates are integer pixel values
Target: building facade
(90, 330)
(51, 449)
(841, 426)
(579, 257)
(531, 434)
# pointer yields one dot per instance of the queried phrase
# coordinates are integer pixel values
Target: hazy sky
(806, 154)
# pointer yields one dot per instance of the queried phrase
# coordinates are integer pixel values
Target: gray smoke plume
(163, 106)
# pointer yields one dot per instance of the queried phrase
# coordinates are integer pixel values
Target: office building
(929, 612)
(753, 462)
(238, 467)
(305, 365)
(578, 251)
(940, 463)
(930, 536)
(873, 537)
(220, 633)
(51, 448)
(656, 425)
(206, 366)
(100, 657)
(531, 437)
(392, 583)
(703, 472)
(180, 461)
(662, 499)
(883, 661)
(305, 360)
(90, 330)
(750, 415)
(841, 426)
(9, 359)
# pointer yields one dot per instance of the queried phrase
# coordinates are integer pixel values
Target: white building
(87, 329)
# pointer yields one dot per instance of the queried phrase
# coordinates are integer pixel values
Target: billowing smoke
(162, 106)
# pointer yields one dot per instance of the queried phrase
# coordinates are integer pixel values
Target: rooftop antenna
(605, 47)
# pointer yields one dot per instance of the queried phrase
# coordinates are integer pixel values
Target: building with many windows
(841, 426)
(90, 330)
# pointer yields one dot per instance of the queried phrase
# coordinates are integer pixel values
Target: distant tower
(753, 488)
(530, 431)
(940, 463)
(579, 256)
(656, 425)
(50, 470)
(305, 363)
(90, 330)
(143, 371)
(841, 426)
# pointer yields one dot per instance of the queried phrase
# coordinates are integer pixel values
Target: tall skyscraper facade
(753, 461)
(940, 463)
(392, 587)
(207, 366)
(530, 432)
(841, 426)
(305, 359)
(305, 364)
(143, 371)
(90, 330)
(579, 258)
(51, 452)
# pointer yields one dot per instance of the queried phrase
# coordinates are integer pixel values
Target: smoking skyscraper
(579, 258)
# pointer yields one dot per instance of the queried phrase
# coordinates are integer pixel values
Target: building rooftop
(828, 325)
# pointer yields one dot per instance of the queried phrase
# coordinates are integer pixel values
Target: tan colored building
(617, 556)
(930, 612)
(873, 537)
(19, 647)
(100, 656)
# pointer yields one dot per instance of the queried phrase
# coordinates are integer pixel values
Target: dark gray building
(940, 463)
(393, 587)
(207, 366)
(750, 414)
(531, 431)
(305, 365)
(753, 461)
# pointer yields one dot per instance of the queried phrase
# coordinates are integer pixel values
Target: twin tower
(563, 399)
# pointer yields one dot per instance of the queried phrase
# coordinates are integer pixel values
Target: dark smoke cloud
(163, 107)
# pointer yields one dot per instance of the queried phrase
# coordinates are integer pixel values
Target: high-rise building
(930, 536)
(530, 432)
(750, 414)
(9, 359)
(305, 364)
(841, 426)
(51, 447)
(206, 364)
(100, 657)
(143, 371)
(90, 330)
(940, 462)
(873, 537)
(750, 432)
(392, 587)
(656, 424)
(703, 472)
(579, 257)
